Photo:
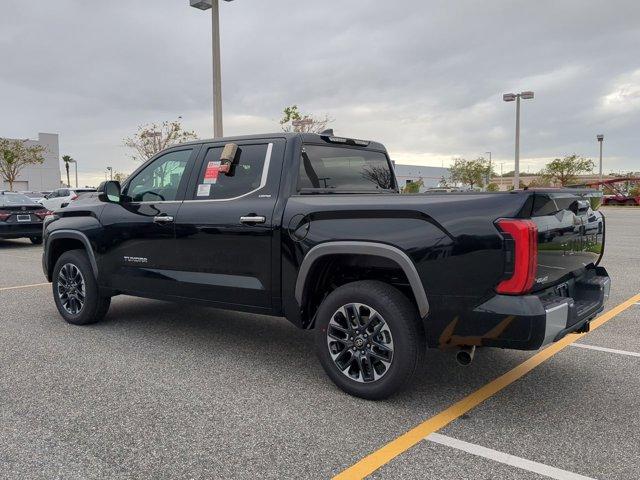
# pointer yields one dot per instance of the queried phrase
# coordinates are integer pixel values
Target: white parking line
(19, 287)
(501, 457)
(603, 349)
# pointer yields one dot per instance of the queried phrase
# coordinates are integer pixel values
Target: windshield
(15, 199)
(340, 168)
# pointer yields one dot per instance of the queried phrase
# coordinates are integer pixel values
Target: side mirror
(109, 192)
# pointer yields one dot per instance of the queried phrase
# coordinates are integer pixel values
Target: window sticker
(204, 190)
(211, 173)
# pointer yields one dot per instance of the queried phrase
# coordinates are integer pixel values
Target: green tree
(155, 137)
(294, 121)
(16, 155)
(493, 187)
(120, 176)
(471, 172)
(67, 160)
(413, 187)
(566, 170)
(540, 182)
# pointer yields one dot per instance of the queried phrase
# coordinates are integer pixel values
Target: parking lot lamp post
(510, 97)
(110, 169)
(217, 75)
(489, 174)
(600, 140)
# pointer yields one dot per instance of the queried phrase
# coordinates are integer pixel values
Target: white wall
(47, 175)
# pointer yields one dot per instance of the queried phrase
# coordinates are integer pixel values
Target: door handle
(253, 219)
(162, 219)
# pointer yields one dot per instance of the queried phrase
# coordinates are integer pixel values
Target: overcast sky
(424, 77)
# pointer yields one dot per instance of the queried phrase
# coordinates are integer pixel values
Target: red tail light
(43, 213)
(75, 196)
(525, 256)
(4, 216)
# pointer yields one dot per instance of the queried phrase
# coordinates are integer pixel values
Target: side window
(159, 181)
(245, 175)
(63, 193)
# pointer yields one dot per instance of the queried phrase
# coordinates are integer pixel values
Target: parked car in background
(84, 195)
(21, 217)
(35, 196)
(63, 196)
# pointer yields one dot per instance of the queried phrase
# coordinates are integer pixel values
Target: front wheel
(369, 339)
(75, 290)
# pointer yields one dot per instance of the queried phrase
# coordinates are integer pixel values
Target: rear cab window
(325, 168)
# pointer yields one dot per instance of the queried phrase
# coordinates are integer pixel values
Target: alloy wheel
(71, 288)
(360, 342)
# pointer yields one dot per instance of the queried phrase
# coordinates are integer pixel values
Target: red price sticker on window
(211, 173)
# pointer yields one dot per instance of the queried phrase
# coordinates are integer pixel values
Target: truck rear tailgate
(570, 235)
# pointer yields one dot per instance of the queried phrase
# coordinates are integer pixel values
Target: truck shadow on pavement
(273, 344)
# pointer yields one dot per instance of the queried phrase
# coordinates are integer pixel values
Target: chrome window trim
(263, 183)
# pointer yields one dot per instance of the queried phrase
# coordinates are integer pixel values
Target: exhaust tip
(464, 356)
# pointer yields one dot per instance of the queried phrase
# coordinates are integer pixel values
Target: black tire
(94, 306)
(405, 329)
(36, 240)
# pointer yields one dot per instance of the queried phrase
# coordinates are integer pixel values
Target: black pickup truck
(312, 227)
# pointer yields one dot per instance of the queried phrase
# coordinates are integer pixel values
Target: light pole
(217, 75)
(600, 140)
(510, 97)
(76, 169)
(490, 173)
(110, 170)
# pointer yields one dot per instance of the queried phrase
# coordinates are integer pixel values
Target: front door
(139, 232)
(224, 229)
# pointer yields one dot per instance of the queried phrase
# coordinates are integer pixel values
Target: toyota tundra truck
(313, 228)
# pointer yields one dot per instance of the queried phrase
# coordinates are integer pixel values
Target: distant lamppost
(510, 97)
(76, 169)
(217, 75)
(489, 175)
(600, 140)
(110, 170)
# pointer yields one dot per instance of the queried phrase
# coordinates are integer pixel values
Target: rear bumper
(20, 230)
(525, 322)
(537, 320)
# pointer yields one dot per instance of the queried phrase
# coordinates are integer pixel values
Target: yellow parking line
(2, 289)
(384, 455)
(20, 257)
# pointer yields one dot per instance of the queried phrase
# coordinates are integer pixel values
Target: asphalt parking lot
(171, 391)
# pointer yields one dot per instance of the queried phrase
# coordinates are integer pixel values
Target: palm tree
(67, 160)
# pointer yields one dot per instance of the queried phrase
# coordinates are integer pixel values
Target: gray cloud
(424, 77)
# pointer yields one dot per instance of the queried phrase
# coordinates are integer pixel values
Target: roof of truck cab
(305, 137)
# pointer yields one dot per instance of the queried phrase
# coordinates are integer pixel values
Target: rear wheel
(369, 339)
(75, 290)
(36, 240)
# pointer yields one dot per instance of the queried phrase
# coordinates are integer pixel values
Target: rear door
(139, 233)
(570, 235)
(225, 228)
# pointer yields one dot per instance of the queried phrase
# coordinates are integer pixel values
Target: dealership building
(430, 176)
(40, 177)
